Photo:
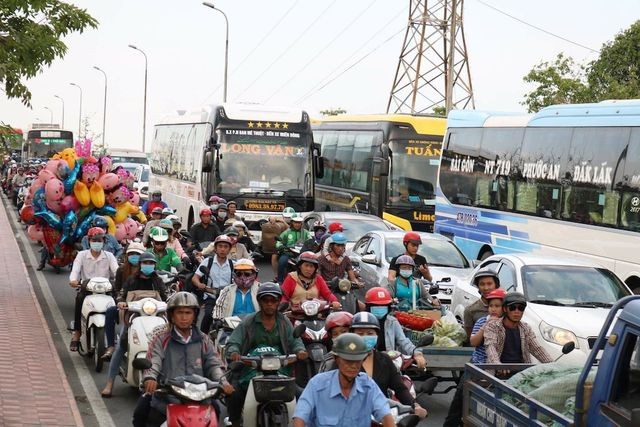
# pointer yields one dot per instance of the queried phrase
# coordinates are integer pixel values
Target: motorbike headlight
(149, 308)
(310, 308)
(344, 285)
(556, 335)
(193, 392)
(270, 364)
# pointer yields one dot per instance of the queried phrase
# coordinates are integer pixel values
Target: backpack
(190, 287)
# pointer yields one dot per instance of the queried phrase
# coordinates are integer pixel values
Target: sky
(309, 54)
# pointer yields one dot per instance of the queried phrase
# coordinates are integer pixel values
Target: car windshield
(355, 229)
(441, 253)
(129, 159)
(571, 285)
(144, 177)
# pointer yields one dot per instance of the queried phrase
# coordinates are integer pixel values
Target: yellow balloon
(111, 224)
(97, 194)
(81, 192)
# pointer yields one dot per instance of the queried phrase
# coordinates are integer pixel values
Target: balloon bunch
(69, 192)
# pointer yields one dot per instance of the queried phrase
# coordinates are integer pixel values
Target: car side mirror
(370, 259)
(434, 289)
(568, 347)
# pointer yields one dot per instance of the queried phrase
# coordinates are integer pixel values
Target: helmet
(223, 238)
(158, 234)
(288, 212)
(365, 320)
(412, 237)
(222, 206)
(338, 239)
(99, 221)
(156, 193)
(486, 272)
(497, 294)
(156, 211)
(244, 264)
(377, 296)
(135, 247)
(175, 219)
(167, 211)
(183, 299)
(214, 199)
(166, 223)
(337, 318)
(269, 289)
(514, 298)
(95, 231)
(205, 211)
(335, 226)
(319, 225)
(307, 256)
(241, 224)
(147, 256)
(232, 202)
(296, 217)
(231, 231)
(350, 346)
(405, 260)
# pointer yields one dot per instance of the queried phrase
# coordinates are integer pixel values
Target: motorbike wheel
(273, 415)
(98, 347)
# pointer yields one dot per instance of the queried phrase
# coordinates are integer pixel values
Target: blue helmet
(99, 221)
(339, 238)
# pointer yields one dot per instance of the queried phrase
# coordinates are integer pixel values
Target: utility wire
(536, 27)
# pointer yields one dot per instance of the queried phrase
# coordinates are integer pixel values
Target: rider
(93, 262)
(243, 236)
(231, 211)
(295, 235)
(143, 279)
(266, 327)
(221, 216)
(411, 242)
(405, 287)
(155, 201)
(238, 250)
(172, 242)
(205, 230)
(111, 244)
(239, 298)
(336, 324)
(334, 227)
(17, 181)
(179, 350)
(335, 263)
(305, 283)
(313, 244)
(378, 301)
(156, 216)
(165, 256)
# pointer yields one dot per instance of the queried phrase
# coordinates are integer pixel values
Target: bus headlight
(557, 335)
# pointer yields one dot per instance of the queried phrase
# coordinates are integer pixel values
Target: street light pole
(50, 115)
(104, 107)
(80, 109)
(226, 48)
(144, 114)
(62, 100)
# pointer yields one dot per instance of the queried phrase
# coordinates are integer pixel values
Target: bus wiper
(547, 302)
(593, 304)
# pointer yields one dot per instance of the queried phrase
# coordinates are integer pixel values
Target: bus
(564, 181)
(44, 143)
(384, 165)
(263, 158)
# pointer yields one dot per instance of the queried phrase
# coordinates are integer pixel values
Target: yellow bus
(385, 165)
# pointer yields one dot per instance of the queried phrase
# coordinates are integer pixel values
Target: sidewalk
(33, 387)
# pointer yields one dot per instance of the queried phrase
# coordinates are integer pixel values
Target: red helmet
(412, 237)
(497, 294)
(205, 211)
(95, 231)
(338, 318)
(307, 256)
(335, 226)
(377, 296)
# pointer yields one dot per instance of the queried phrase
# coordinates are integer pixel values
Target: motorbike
(220, 331)
(343, 290)
(403, 415)
(171, 280)
(94, 309)
(146, 314)
(23, 191)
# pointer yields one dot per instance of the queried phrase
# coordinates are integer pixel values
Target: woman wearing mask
(144, 279)
(172, 242)
(405, 288)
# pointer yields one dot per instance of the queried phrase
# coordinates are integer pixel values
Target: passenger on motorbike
(296, 235)
(238, 250)
(411, 242)
(405, 288)
(93, 262)
(243, 236)
(378, 302)
(336, 324)
(335, 263)
(313, 244)
(16, 182)
(239, 298)
(181, 349)
(165, 256)
(155, 201)
(267, 327)
(111, 244)
(144, 279)
(156, 216)
(334, 227)
(205, 230)
(231, 211)
(172, 242)
(305, 283)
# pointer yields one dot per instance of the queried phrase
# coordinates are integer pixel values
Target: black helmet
(147, 256)
(365, 320)
(156, 193)
(486, 272)
(514, 298)
(182, 299)
(350, 346)
(99, 221)
(269, 289)
(231, 231)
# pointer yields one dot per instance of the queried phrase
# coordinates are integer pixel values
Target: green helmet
(158, 234)
(296, 217)
(350, 346)
(288, 212)
(166, 224)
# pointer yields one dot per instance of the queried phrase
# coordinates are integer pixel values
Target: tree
(333, 112)
(440, 111)
(31, 39)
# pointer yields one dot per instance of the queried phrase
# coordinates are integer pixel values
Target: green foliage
(440, 111)
(30, 38)
(332, 112)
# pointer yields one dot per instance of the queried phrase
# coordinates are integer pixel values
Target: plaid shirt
(329, 269)
(494, 337)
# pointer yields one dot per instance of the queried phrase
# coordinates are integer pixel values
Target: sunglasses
(245, 274)
(514, 307)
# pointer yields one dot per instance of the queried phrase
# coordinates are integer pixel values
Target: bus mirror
(207, 161)
(318, 160)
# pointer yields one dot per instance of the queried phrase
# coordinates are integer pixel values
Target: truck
(611, 398)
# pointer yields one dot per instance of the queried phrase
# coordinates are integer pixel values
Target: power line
(297, 73)
(536, 27)
(285, 51)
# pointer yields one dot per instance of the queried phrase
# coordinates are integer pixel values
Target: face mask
(370, 341)
(222, 214)
(147, 269)
(379, 311)
(96, 246)
(319, 234)
(244, 282)
(133, 259)
(406, 273)
(157, 198)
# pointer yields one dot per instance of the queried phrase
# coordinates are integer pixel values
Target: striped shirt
(480, 354)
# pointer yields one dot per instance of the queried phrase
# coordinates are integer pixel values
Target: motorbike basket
(280, 389)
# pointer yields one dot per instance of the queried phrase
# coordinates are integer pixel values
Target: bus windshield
(46, 143)
(251, 162)
(414, 172)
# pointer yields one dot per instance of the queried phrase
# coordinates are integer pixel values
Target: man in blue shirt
(344, 397)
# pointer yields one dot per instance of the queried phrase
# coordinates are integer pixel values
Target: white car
(372, 253)
(567, 300)
(142, 180)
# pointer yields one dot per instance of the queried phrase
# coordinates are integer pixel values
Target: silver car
(372, 253)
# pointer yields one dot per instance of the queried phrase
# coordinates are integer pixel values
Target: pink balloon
(46, 175)
(135, 198)
(69, 203)
(54, 190)
(36, 184)
(121, 232)
(108, 181)
(131, 227)
(35, 232)
(52, 166)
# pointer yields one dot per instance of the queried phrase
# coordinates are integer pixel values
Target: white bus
(262, 158)
(564, 181)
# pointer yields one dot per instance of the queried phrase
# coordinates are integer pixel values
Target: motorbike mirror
(284, 306)
(141, 364)
(425, 340)
(434, 289)
(204, 269)
(256, 255)
(236, 366)
(568, 347)
(299, 330)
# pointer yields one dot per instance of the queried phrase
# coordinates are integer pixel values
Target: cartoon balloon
(52, 166)
(107, 210)
(35, 232)
(108, 181)
(135, 197)
(131, 228)
(26, 214)
(46, 175)
(36, 184)
(70, 203)
(71, 178)
(54, 192)
(81, 192)
(121, 232)
(62, 170)
(97, 195)
(51, 219)
(90, 173)
(39, 200)
(83, 226)
(111, 225)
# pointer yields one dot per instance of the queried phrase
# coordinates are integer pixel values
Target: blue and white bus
(563, 181)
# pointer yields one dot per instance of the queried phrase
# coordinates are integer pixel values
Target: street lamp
(50, 114)
(79, 110)
(144, 114)
(104, 107)
(226, 47)
(62, 100)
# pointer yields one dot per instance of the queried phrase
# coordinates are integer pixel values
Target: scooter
(403, 415)
(171, 280)
(343, 290)
(147, 316)
(220, 331)
(94, 309)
